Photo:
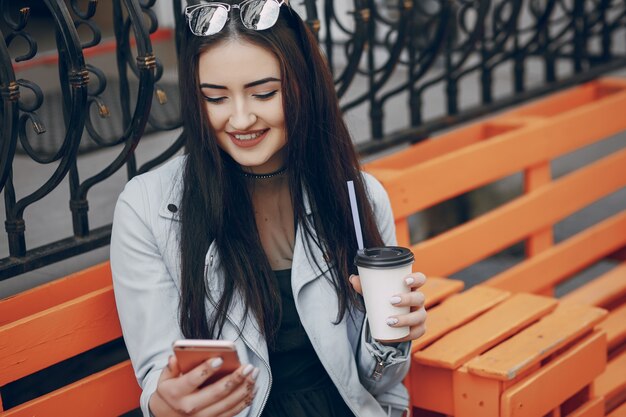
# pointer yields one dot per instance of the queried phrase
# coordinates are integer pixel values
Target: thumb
(355, 280)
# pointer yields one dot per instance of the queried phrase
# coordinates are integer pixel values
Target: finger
(413, 319)
(196, 377)
(415, 299)
(171, 369)
(415, 280)
(230, 393)
(240, 406)
(236, 402)
(355, 280)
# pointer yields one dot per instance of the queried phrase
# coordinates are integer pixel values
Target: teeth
(249, 136)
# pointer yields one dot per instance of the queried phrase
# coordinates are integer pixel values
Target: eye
(215, 100)
(266, 96)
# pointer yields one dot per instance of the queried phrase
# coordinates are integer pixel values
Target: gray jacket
(146, 278)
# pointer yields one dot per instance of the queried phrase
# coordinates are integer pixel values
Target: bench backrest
(524, 140)
(57, 321)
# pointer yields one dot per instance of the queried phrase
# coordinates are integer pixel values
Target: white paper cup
(382, 271)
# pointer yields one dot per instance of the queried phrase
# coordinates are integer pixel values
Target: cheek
(276, 116)
(217, 116)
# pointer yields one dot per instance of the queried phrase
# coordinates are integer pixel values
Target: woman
(248, 236)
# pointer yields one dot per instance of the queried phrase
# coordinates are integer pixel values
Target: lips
(247, 143)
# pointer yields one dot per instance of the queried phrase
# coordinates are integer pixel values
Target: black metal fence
(379, 50)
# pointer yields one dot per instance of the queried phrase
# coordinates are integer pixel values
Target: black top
(301, 386)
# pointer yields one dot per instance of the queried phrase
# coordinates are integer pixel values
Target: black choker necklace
(264, 176)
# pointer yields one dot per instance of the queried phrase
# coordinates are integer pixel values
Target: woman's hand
(180, 394)
(414, 299)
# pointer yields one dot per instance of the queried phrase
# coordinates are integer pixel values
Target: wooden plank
(38, 341)
(615, 327)
(438, 289)
(535, 177)
(475, 396)
(56, 292)
(424, 184)
(619, 411)
(603, 290)
(458, 310)
(568, 257)
(429, 149)
(613, 380)
(510, 223)
(431, 388)
(592, 408)
(558, 380)
(111, 392)
(402, 233)
(558, 103)
(553, 332)
(486, 331)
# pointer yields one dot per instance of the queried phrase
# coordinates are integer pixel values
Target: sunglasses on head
(209, 18)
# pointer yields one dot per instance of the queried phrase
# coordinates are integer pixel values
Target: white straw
(355, 215)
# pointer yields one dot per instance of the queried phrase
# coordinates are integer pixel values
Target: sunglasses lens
(209, 20)
(260, 14)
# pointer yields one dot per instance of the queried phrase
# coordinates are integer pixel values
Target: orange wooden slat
(430, 148)
(572, 255)
(475, 396)
(613, 381)
(545, 389)
(619, 411)
(540, 340)
(603, 290)
(486, 331)
(402, 233)
(615, 327)
(431, 388)
(592, 408)
(437, 289)
(56, 292)
(111, 392)
(513, 221)
(458, 310)
(535, 177)
(422, 185)
(38, 341)
(559, 103)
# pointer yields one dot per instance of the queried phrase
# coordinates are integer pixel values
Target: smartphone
(192, 352)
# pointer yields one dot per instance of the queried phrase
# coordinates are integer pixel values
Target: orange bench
(491, 353)
(57, 321)
(67, 317)
(525, 140)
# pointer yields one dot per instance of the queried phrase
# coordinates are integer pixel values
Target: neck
(265, 176)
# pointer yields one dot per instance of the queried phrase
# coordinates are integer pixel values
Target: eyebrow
(251, 84)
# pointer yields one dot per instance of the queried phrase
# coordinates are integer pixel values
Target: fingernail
(247, 370)
(255, 374)
(392, 321)
(216, 363)
(351, 278)
(410, 281)
(256, 389)
(395, 299)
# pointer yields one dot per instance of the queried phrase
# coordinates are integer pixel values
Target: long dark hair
(321, 158)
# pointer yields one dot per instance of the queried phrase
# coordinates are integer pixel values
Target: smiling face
(241, 85)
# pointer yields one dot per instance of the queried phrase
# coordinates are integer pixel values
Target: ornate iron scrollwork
(397, 49)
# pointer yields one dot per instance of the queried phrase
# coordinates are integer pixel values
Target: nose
(242, 116)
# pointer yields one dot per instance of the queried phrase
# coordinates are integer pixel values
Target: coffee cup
(382, 271)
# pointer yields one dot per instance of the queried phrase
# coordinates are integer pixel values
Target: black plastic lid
(383, 257)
